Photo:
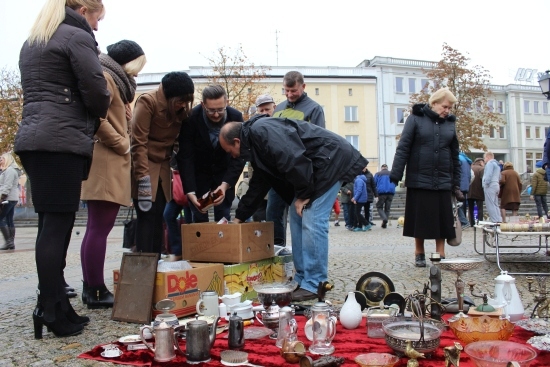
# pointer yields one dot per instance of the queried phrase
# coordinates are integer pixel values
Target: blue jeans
(309, 235)
(6, 217)
(276, 212)
(172, 211)
(348, 214)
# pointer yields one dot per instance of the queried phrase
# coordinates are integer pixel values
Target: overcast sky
(501, 36)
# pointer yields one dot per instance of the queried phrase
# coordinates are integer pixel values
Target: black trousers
(150, 233)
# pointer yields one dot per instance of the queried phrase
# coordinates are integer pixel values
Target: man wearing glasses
(204, 166)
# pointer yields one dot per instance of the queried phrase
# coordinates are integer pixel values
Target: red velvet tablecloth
(347, 343)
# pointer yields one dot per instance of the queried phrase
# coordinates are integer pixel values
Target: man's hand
(301, 205)
(236, 220)
(193, 199)
(353, 200)
(220, 191)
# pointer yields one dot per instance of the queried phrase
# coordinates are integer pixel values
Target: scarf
(125, 83)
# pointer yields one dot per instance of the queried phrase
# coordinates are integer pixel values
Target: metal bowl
(462, 264)
(399, 330)
(280, 292)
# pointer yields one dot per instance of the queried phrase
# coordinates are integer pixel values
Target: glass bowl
(473, 329)
(376, 360)
(497, 353)
(398, 330)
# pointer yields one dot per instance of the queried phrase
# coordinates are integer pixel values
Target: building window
(316, 91)
(528, 132)
(399, 84)
(350, 113)
(500, 106)
(350, 92)
(492, 133)
(526, 107)
(545, 108)
(425, 84)
(401, 115)
(353, 140)
(491, 105)
(501, 132)
(412, 85)
(536, 107)
(537, 132)
(283, 91)
(529, 160)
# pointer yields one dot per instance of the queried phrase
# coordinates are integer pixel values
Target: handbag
(177, 189)
(458, 226)
(130, 226)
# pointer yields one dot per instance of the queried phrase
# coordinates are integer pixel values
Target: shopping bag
(458, 226)
(130, 224)
(177, 189)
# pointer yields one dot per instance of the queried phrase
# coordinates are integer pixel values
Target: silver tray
(460, 264)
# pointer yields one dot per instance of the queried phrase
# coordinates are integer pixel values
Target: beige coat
(109, 178)
(152, 142)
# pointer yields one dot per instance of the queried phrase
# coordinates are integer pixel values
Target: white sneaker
(173, 258)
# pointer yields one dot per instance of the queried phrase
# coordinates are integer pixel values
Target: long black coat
(429, 148)
(203, 167)
(65, 92)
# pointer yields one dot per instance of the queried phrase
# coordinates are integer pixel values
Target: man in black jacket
(306, 165)
(203, 164)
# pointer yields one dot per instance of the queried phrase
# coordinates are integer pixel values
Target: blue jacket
(465, 172)
(360, 189)
(383, 184)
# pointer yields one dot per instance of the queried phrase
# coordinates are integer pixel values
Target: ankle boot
(12, 236)
(60, 326)
(6, 233)
(73, 317)
(99, 297)
(84, 292)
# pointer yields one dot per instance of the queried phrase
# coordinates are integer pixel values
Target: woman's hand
(220, 191)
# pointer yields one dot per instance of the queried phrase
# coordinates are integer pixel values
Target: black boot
(73, 317)
(99, 297)
(7, 245)
(84, 292)
(59, 323)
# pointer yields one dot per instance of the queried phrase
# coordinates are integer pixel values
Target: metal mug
(208, 304)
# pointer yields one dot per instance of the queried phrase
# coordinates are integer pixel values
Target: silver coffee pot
(199, 340)
(165, 341)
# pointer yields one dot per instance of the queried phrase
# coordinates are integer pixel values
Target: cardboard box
(238, 277)
(184, 286)
(227, 243)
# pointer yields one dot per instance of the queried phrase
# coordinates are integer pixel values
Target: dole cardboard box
(232, 243)
(238, 277)
(184, 286)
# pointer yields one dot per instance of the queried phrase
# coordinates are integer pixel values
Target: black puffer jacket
(65, 92)
(429, 148)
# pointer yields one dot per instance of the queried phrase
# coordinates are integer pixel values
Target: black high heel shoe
(73, 317)
(60, 326)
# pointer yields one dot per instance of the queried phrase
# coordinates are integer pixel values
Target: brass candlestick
(542, 307)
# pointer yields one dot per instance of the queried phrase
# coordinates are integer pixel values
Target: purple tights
(101, 219)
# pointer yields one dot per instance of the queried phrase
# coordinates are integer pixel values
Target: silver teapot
(165, 341)
(199, 340)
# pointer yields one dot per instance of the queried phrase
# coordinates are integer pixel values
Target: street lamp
(544, 82)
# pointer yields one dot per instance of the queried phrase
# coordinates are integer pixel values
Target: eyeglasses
(219, 111)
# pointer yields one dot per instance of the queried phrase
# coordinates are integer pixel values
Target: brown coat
(109, 178)
(510, 186)
(152, 142)
(476, 187)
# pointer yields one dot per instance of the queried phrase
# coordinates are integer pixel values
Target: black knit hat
(177, 84)
(124, 51)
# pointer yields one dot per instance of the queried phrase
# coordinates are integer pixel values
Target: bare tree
(239, 76)
(470, 85)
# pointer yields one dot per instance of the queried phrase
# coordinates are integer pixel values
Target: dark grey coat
(65, 92)
(429, 148)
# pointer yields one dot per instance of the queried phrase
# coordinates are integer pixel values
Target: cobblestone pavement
(352, 254)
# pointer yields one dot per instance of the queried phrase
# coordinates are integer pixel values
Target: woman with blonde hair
(108, 185)
(65, 95)
(429, 148)
(9, 197)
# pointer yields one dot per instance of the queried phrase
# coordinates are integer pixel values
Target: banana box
(184, 286)
(234, 243)
(282, 268)
(239, 277)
